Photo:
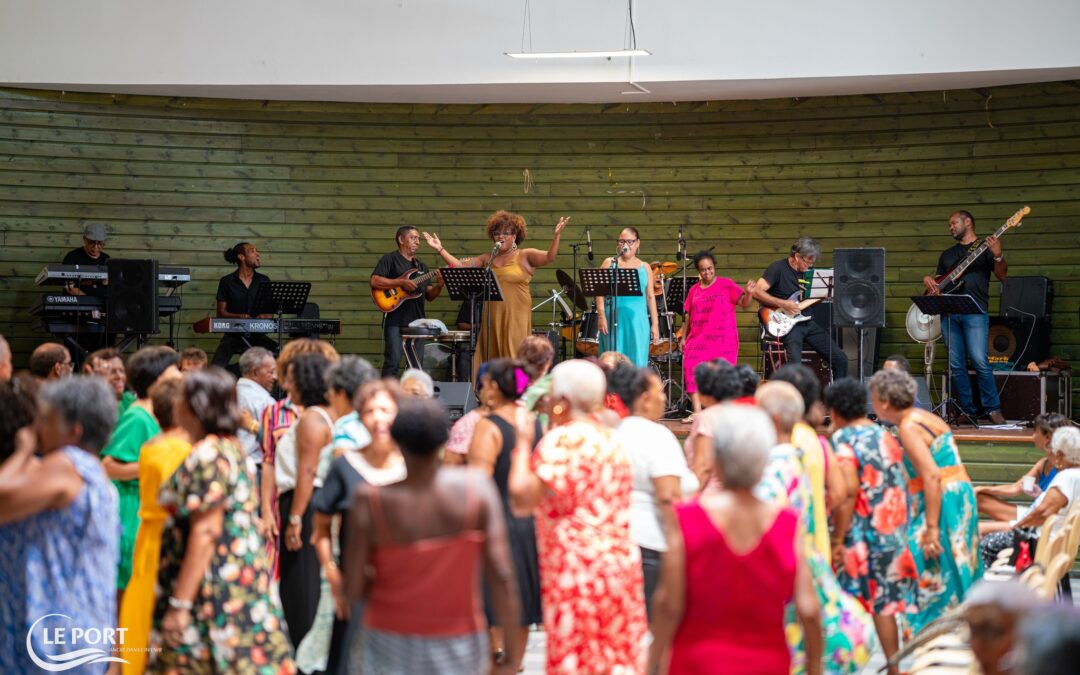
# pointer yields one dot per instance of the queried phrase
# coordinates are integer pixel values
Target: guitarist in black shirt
(967, 335)
(782, 286)
(393, 272)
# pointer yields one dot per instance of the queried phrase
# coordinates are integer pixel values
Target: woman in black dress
(492, 446)
(379, 463)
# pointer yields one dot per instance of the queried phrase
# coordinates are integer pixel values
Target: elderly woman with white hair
(993, 612)
(416, 382)
(733, 564)
(1058, 497)
(578, 484)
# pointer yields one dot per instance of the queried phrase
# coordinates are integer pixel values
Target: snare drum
(588, 342)
(454, 336)
(666, 321)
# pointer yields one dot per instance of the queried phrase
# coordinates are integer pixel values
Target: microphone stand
(613, 330)
(573, 303)
(496, 250)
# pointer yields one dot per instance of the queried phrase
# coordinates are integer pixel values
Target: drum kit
(569, 310)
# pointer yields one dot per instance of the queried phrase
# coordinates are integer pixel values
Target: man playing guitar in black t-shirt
(782, 286)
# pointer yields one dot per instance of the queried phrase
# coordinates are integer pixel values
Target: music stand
(947, 305)
(472, 284)
(279, 297)
(677, 292)
(611, 282)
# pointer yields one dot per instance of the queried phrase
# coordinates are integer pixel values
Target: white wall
(453, 49)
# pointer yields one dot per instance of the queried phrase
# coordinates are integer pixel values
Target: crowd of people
(206, 525)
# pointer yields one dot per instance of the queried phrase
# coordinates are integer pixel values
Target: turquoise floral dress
(877, 566)
(944, 581)
(235, 625)
(848, 628)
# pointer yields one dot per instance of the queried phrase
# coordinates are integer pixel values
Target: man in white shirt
(258, 372)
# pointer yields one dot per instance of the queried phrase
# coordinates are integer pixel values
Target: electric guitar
(389, 299)
(779, 322)
(950, 281)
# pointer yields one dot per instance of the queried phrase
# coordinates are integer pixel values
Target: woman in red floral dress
(578, 485)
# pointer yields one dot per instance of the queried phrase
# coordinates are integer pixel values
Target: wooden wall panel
(321, 187)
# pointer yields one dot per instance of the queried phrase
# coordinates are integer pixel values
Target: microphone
(494, 252)
(624, 250)
(588, 239)
(680, 253)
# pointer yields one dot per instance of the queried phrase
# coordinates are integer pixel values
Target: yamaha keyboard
(62, 274)
(289, 326)
(86, 306)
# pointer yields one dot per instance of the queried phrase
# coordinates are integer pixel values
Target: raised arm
(538, 258)
(449, 258)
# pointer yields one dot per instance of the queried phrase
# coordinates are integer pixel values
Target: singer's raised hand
(433, 241)
(561, 225)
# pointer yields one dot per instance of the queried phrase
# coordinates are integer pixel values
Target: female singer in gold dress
(511, 319)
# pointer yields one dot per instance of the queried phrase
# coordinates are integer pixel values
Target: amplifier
(1025, 395)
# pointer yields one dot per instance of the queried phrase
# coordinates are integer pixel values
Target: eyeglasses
(91, 242)
(627, 242)
(505, 233)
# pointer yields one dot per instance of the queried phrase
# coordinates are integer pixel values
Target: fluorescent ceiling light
(579, 55)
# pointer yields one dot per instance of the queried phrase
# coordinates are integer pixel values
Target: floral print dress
(877, 566)
(944, 581)
(235, 626)
(847, 627)
(590, 569)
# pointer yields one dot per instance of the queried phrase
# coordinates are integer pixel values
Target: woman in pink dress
(733, 564)
(711, 331)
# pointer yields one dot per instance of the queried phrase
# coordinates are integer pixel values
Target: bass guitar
(389, 299)
(950, 281)
(779, 322)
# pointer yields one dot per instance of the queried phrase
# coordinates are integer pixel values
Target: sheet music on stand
(676, 294)
(467, 283)
(596, 282)
(281, 297)
(821, 284)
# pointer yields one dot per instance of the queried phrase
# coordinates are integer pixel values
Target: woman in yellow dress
(158, 459)
(511, 319)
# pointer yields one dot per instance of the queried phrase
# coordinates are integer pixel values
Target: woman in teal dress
(636, 313)
(943, 533)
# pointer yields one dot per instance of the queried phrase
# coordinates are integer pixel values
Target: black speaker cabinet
(859, 287)
(1019, 341)
(456, 397)
(1025, 395)
(811, 360)
(131, 305)
(1026, 297)
(848, 338)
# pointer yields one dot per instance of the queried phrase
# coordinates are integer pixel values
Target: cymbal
(665, 268)
(571, 287)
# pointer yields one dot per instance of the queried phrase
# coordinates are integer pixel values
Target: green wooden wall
(321, 187)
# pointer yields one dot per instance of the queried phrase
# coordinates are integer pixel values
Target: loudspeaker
(848, 338)
(811, 360)
(456, 397)
(1018, 341)
(1025, 395)
(859, 287)
(1026, 297)
(131, 305)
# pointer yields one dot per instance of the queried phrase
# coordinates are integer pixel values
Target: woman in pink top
(427, 538)
(733, 564)
(711, 330)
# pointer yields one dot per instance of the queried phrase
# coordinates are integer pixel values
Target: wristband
(999, 258)
(295, 519)
(177, 603)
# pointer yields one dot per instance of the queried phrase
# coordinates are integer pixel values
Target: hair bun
(230, 255)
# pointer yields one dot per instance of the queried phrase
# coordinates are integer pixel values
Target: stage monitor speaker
(1026, 297)
(131, 304)
(811, 360)
(859, 287)
(456, 397)
(1018, 341)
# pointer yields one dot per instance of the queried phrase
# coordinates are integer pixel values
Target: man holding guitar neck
(967, 335)
(393, 273)
(784, 284)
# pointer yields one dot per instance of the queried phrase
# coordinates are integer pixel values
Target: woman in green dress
(214, 611)
(943, 534)
(636, 314)
(120, 456)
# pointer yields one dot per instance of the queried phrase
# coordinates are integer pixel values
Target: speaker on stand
(859, 292)
(131, 304)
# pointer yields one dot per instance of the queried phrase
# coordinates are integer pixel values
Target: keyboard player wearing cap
(236, 300)
(90, 253)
